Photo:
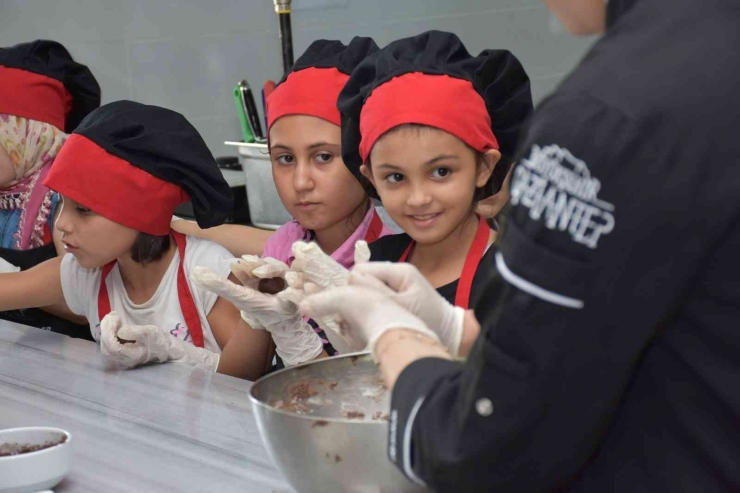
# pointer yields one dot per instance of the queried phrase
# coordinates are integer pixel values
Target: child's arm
(238, 240)
(38, 287)
(245, 351)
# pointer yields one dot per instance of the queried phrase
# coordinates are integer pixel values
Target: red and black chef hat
(40, 81)
(313, 84)
(134, 164)
(431, 79)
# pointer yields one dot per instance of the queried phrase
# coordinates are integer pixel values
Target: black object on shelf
(229, 162)
(282, 9)
(252, 114)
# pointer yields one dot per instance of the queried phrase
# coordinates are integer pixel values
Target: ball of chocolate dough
(271, 286)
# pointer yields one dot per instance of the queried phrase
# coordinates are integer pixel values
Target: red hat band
(33, 96)
(113, 187)
(439, 101)
(311, 91)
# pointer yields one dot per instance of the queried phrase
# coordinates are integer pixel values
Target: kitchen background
(187, 55)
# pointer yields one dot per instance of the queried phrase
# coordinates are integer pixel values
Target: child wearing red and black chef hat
(44, 94)
(433, 127)
(121, 174)
(330, 207)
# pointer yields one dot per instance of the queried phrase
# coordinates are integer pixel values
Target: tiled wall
(188, 54)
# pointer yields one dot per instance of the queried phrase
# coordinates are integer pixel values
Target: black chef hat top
(40, 81)
(134, 163)
(313, 84)
(327, 53)
(496, 75)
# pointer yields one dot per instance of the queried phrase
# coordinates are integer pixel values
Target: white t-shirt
(81, 287)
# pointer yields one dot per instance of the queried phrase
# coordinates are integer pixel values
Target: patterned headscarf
(32, 146)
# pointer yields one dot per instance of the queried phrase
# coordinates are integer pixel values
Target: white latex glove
(7, 267)
(150, 345)
(250, 269)
(295, 340)
(313, 271)
(365, 313)
(404, 284)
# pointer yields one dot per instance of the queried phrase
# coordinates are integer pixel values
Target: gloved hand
(250, 270)
(404, 284)
(295, 340)
(6, 267)
(365, 314)
(150, 345)
(313, 271)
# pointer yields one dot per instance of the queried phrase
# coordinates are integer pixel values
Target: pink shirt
(279, 245)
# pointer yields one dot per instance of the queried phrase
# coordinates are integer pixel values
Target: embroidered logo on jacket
(558, 190)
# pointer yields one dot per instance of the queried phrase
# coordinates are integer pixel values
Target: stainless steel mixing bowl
(325, 425)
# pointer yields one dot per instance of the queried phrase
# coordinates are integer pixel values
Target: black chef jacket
(609, 357)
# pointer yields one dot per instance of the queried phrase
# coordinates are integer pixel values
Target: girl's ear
(486, 166)
(367, 173)
(491, 206)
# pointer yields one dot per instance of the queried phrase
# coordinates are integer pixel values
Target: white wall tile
(217, 130)
(196, 76)
(109, 65)
(188, 54)
(66, 21)
(187, 18)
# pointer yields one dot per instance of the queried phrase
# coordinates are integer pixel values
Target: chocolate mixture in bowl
(8, 449)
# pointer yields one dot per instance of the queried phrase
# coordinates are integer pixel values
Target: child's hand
(313, 270)
(259, 310)
(251, 269)
(296, 341)
(149, 343)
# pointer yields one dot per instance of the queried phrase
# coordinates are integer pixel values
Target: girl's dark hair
(149, 248)
(492, 186)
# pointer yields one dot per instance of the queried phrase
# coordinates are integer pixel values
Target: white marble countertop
(170, 427)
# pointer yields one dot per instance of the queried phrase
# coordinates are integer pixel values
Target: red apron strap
(475, 254)
(187, 304)
(407, 252)
(103, 299)
(376, 227)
